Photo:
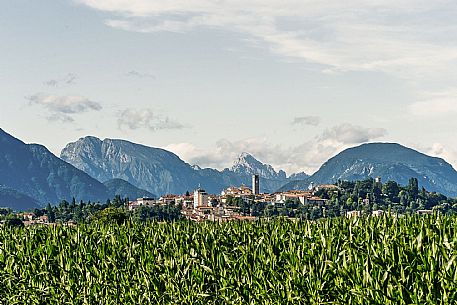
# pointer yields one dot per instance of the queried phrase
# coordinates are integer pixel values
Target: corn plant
(376, 260)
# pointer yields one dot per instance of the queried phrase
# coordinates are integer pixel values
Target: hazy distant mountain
(159, 171)
(299, 176)
(246, 164)
(11, 198)
(388, 161)
(124, 189)
(33, 170)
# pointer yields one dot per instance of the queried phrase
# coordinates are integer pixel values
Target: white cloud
(225, 152)
(63, 107)
(352, 134)
(442, 151)
(145, 118)
(435, 104)
(308, 156)
(408, 38)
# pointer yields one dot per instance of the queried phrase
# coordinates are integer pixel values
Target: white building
(141, 202)
(377, 213)
(145, 201)
(200, 198)
(255, 184)
(293, 195)
(237, 191)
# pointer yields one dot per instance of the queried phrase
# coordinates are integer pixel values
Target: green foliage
(5, 211)
(157, 212)
(13, 221)
(413, 188)
(382, 260)
(235, 201)
(111, 215)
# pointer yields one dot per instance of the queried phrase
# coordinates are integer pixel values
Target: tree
(403, 198)
(50, 213)
(229, 200)
(391, 189)
(38, 212)
(73, 203)
(142, 213)
(413, 188)
(63, 206)
(13, 221)
(5, 211)
(111, 215)
(117, 201)
(349, 202)
(376, 191)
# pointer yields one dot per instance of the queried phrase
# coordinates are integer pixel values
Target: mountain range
(160, 171)
(30, 173)
(390, 161)
(95, 169)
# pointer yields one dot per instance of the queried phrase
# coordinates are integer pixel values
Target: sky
(291, 82)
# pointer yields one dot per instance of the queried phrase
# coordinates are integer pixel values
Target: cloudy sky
(292, 82)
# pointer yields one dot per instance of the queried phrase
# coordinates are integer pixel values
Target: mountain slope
(125, 189)
(389, 161)
(299, 176)
(33, 170)
(10, 198)
(246, 164)
(155, 170)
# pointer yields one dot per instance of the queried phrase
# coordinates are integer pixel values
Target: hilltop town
(345, 198)
(231, 203)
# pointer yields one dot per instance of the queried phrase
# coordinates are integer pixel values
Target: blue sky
(292, 82)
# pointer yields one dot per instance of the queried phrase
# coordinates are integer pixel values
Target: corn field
(385, 260)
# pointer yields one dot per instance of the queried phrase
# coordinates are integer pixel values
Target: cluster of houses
(201, 206)
(29, 218)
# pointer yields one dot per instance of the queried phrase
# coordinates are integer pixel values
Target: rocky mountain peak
(249, 165)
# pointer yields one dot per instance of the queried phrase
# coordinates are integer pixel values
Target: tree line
(365, 196)
(113, 210)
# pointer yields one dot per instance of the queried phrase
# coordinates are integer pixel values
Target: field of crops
(409, 260)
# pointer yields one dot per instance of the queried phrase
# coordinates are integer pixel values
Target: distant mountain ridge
(390, 161)
(159, 171)
(155, 170)
(299, 176)
(31, 176)
(246, 164)
(15, 200)
(33, 170)
(126, 190)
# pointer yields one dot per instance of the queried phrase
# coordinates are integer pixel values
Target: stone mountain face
(246, 164)
(34, 171)
(126, 190)
(388, 161)
(159, 171)
(155, 170)
(10, 198)
(299, 176)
